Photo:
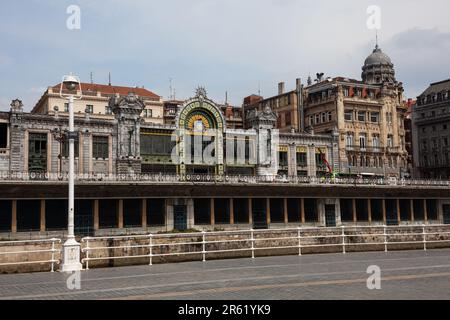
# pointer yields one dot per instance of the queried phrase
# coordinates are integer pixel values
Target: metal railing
(25, 253)
(205, 243)
(40, 177)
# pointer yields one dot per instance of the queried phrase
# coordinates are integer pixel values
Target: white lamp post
(71, 248)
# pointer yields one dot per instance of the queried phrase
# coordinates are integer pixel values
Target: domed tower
(378, 68)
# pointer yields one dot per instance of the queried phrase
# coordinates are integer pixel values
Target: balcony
(366, 149)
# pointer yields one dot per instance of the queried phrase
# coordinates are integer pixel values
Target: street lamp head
(72, 86)
(70, 82)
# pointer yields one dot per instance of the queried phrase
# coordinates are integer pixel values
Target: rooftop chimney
(281, 88)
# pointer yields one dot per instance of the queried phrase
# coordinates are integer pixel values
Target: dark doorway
(446, 213)
(179, 217)
(330, 215)
(132, 213)
(56, 214)
(5, 215)
(391, 212)
(28, 215)
(259, 214)
(84, 222)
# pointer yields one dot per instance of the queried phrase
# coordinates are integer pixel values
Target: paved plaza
(404, 275)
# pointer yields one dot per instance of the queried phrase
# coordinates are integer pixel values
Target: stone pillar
(268, 211)
(302, 210)
(169, 214)
(369, 210)
(42, 214)
(212, 213)
(96, 217)
(120, 224)
(14, 216)
(285, 210)
(411, 204)
(383, 204)
(399, 216)
(425, 211)
(231, 211)
(190, 213)
(144, 213)
(250, 211)
(311, 161)
(355, 218)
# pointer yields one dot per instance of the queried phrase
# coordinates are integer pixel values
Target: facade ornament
(16, 105)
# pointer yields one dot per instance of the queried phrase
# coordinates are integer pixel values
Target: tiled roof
(111, 90)
(437, 87)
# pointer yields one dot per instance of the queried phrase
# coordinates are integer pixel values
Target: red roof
(111, 90)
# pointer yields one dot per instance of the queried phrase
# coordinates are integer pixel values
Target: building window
(317, 118)
(445, 141)
(389, 117)
(311, 120)
(89, 108)
(147, 113)
(390, 142)
(330, 117)
(444, 127)
(349, 139)
(100, 147)
(3, 135)
(348, 115)
(66, 107)
(375, 117)
(361, 116)
(424, 145)
(108, 110)
(376, 141)
(287, 118)
(324, 117)
(319, 161)
(362, 140)
(65, 149)
(425, 161)
(424, 129)
(346, 93)
(301, 159)
(283, 157)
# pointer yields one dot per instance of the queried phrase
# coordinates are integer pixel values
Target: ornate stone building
(365, 117)
(431, 132)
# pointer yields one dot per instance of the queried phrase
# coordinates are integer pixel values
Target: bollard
(385, 239)
(299, 242)
(151, 249)
(87, 253)
(424, 238)
(204, 246)
(253, 243)
(343, 239)
(53, 255)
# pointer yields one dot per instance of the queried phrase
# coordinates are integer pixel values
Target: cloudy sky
(237, 46)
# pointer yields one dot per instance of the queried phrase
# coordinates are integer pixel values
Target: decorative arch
(200, 108)
(204, 112)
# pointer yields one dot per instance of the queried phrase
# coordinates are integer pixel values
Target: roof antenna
(109, 77)
(259, 88)
(92, 78)
(376, 35)
(226, 98)
(170, 89)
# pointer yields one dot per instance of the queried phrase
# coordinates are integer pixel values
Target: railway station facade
(135, 177)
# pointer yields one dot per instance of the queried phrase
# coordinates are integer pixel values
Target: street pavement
(404, 275)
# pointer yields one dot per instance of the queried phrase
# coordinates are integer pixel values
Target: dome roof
(377, 57)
